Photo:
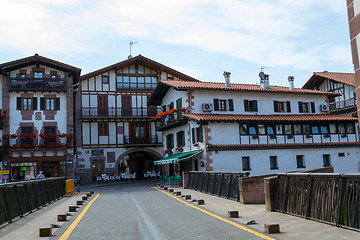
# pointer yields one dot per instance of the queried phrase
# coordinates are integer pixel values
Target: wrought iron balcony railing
(37, 84)
(119, 112)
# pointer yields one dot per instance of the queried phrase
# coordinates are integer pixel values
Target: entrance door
(103, 105)
(139, 132)
(97, 168)
(50, 169)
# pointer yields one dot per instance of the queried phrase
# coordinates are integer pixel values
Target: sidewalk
(27, 228)
(291, 227)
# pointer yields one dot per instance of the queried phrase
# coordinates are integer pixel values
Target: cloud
(264, 32)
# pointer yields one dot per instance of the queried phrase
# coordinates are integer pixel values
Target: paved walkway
(291, 227)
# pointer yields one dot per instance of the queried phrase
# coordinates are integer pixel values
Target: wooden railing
(119, 112)
(342, 104)
(332, 198)
(153, 139)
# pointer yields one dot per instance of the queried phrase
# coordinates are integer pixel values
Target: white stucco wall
(313, 157)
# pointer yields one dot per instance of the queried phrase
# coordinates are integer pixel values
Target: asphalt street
(138, 211)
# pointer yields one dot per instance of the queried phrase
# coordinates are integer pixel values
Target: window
(38, 75)
(326, 160)
(180, 139)
(49, 130)
(350, 128)
(341, 128)
(300, 161)
(304, 107)
(273, 163)
(105, 79)
(250, 105)
(197, 134)
(333, 128)
(135, 77)
(324, 129)
(49, 104)
(53, 76)
(26, 104)
(261, 129)
(103, 128)
(306, 129)
(253, 129)
(243, 129)
(288, 129)
(22, 75)
(270, 130)
(246, 163)
(341, 154)
(315, 129)
(297, 129)
(139, 131)
(280, 106)
(279, 129)
(169, 141)
(222, 105)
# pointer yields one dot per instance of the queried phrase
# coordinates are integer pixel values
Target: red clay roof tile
(182, 85)
(287, 117)
(286, 145)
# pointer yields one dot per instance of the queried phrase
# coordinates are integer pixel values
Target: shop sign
(97, 152)
(4, 172)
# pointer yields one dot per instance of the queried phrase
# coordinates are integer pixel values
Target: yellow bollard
(70, 188)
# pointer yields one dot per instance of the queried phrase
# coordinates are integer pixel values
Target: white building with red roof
(262, 129)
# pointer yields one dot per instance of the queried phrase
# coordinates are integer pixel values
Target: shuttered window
(288, 106)
(103, 129)
(231, 105)
(216, 104)
(180, 139)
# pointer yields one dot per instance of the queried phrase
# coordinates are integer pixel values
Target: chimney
(227, 79)
(291, 83)
(264, 80)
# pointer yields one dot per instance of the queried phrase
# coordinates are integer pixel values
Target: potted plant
(344, 135)
(255, 136)
(308, 135)
(290, 136)
(272, 136)
(327, 135)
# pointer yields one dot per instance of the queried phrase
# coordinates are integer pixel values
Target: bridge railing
(222, 184)
(332, 198)
(19, 198)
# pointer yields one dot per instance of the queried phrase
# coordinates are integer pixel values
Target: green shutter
(246, 105)
(179, 104)
(288, 106)
(301, 107)
(216, 104)
(276, 106)
(313, 107)
(201, 133)
(255, 105)
(231, 105)
(193, 135)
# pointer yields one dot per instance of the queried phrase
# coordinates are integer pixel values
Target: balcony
(170, 119)
(118, 112)
(344, 106)
(148, 141)
(37, 84)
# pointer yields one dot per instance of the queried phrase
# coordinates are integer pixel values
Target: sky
(201, 38)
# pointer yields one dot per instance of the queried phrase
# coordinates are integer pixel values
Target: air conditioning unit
(324, 108)
(207, 107)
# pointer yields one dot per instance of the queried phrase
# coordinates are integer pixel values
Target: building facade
(354, 24)
(257, 128)
(342, 83)
(38, 129)
(115, 132)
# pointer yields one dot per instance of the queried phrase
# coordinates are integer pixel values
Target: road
(138, 211)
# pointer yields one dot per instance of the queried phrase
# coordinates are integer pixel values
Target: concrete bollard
(233, 214)
(171, 190)
(92, 192)
(187, 196)
(61, 217)
(44, 232)
(88, 194)
(272, 228)
(84, 198)
(200, 201)
(178, 193)
(162, 186)
(165, 188)
(72, 208)
(79, 202)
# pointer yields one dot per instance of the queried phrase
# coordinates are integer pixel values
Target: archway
(137, 161)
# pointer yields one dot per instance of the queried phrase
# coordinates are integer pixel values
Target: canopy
(177, 157)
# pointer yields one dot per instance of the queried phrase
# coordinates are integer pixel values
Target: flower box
(272, 136)
(290, 136)
(344, 135)
(255, 136)
(326, 135)
(308, 136)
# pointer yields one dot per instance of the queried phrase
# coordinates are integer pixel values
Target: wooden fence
(222, 184)
(332, 198)
(19, 198)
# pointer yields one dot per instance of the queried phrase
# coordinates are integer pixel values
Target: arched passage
(137, 160)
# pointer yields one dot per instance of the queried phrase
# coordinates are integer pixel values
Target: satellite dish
(261, 75)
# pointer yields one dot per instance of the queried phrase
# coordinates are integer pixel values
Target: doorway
(97, 168)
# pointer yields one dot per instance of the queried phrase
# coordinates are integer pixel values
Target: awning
(177, 157)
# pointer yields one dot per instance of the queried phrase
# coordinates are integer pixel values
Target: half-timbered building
(114, 129)
(342, 83)
(38, 127)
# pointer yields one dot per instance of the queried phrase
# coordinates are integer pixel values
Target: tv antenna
(131, 43)
(262, 74)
